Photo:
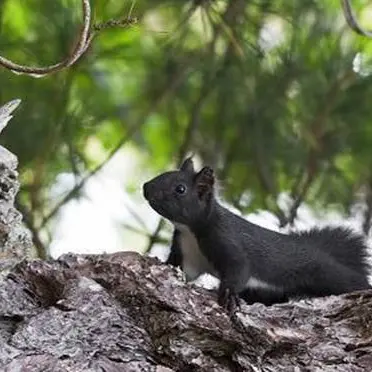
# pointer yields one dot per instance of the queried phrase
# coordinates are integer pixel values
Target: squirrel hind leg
(266, 296)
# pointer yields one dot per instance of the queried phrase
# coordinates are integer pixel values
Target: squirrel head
(183, 196)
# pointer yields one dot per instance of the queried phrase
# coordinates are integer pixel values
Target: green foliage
(285, 114)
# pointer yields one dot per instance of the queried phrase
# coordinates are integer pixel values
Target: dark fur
(342, 243)
(307, 264)
(175, 255)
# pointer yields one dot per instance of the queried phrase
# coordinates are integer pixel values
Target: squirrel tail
(344, 245)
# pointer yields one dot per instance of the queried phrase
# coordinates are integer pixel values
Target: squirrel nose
(146, 191)
(150, 191)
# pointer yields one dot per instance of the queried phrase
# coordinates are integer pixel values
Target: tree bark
(15, 240)
(125, 312)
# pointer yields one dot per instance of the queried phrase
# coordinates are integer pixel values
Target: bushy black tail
(346, 246)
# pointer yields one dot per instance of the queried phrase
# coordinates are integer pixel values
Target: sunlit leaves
(16, 19)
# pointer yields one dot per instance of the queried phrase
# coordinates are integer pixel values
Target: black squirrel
(252, 262)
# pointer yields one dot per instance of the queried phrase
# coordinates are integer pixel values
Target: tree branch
(318, 128)
(352, 21)
(85, 37)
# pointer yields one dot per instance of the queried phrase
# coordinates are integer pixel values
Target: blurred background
(276, 95)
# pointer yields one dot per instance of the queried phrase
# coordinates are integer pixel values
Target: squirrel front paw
(229, 300)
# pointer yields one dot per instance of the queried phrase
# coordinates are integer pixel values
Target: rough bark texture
(15, 240)
(125, 312)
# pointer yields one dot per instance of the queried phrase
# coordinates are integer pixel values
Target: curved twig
(351, 19)
(78, 51)
(85, 37)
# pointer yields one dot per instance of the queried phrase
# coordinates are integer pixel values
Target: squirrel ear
(204, 181)
(187, 166)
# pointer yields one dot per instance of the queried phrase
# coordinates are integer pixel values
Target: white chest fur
(193, 261)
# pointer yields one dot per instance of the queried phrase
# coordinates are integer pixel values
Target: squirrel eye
(180, 189)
